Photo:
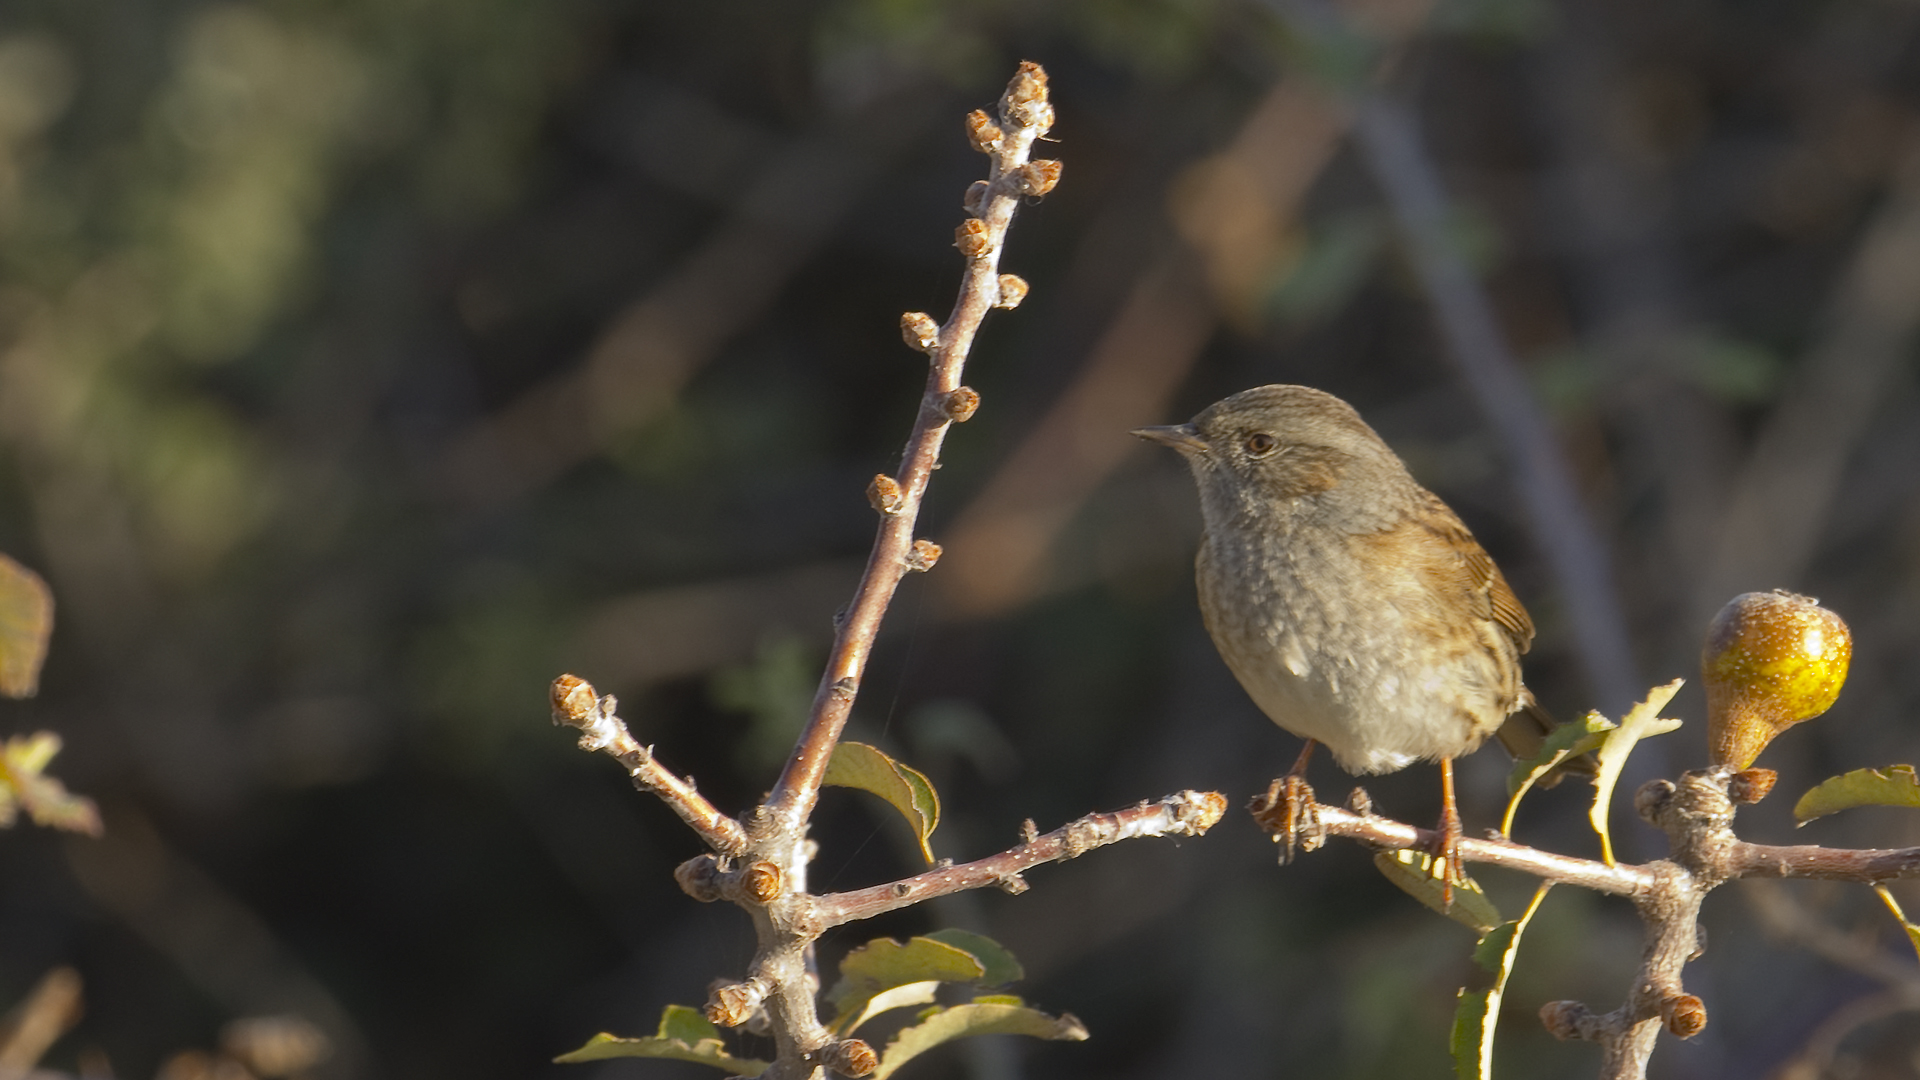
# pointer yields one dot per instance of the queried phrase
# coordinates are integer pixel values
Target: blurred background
(366, 364)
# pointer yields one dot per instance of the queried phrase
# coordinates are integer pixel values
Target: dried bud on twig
(733, 1004)
(1013, 289)
(760, 882)
(850, 1057)
(1751, 785)
(971, 238)
(960, 403)
(885, 494)
(1564, 1019)
(982, 133)
(573, 700)
(699, 877)
(1770, 661)
(975, 200)
(1685, 1015)
(1037, 177)
(924, 554)
(919, 331)
(1025, 102)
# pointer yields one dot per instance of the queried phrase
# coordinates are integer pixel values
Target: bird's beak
(1182, 437)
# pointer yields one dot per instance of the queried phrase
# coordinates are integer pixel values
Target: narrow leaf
(685, 1035)
(1642, 721)
(1913, 932)
(1895, 785)
(1001, 967)
(920, 993)
(1563, 742)
(883, 964)
(984, 1016)
(857, 765)
(1478, 1012)
(24, 786)
(26, 622)
(1412, 871)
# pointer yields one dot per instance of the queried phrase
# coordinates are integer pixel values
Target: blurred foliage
(364, 365)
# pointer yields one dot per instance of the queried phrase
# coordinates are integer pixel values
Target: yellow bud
(1770, 661)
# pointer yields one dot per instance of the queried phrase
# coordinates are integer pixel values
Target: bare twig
(1025, 114)
(1189, 813)
(575, 704)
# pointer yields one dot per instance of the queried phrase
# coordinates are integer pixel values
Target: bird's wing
(1474, 570)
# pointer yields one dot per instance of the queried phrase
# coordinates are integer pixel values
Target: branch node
(960, 404)
(924, 554)
(975, 200)
(919, 331)
(1652, 800)
(844, 688)
(699, 877)
(885, 494)
(1566, 1020)
(1013, 289)
(1029, 832)
(973, 238)
(1012, 885)
(1360, 802)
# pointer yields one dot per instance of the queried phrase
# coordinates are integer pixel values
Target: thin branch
(1025, 115)
(575, 704)
(1391, 835)
(1189, 813)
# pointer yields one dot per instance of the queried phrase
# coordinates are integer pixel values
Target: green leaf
(1913, 932)
(883, 964)
(857, 765)
(1479, 1008)
(1563, 742)
(1895, 785)
(23, 785)
(684, 1035)
(26, 622)
(996, 1015)
(1642, 721)
(920, 993)
(1001, 967)
(1412, 871)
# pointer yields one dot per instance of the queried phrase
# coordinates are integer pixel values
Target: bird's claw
(1288, 811)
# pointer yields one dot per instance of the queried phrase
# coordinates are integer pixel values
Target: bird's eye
(1260, 444)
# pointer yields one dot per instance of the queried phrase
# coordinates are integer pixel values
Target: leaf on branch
(685, 1035)
(26, 622)
(1479, 1008)
(884, 964)
(1001, 967)
(24, 785)
(1913, 932)
(993, 1015)
(1563, 742)
(1642, 721)
(857, 765)
(1412, 872)
(1895, 785)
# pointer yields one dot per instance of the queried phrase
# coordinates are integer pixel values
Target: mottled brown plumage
(1349, 601)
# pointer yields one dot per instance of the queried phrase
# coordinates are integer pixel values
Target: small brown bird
(1349, 601)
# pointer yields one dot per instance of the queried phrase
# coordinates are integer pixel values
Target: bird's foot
(1446, 854)
(1288, 812)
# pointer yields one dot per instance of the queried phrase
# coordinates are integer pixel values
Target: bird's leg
(1446, 837)
(1299, 823)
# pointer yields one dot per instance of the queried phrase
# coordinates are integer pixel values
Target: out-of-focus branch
(1189, 813)
(1580, 562)
(575, 704)
(36, 1023)
(1781, 498)
(652, 347)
